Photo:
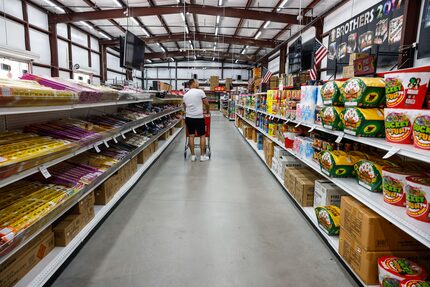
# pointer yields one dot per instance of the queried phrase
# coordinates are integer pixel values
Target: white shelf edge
(309, 211)
(394, 214)
(87, 191)
(46, 268)
(30, 171)
(43, 109)
(405, 150)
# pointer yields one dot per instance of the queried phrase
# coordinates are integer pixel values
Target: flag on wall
(320, 52)
(266, 77)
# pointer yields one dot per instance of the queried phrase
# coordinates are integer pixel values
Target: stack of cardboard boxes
(274, 83)
(281, 159)
(327, 193)
(165, 87)
(228, 84)
(348, 71)
(300, 182)
(74, 221)
(214, 82)
(365, 236)
(269, 149)
(20, 263)
(105, 192)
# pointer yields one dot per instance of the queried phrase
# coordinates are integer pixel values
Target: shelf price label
(44, 171)
(123, 135)
(115, 140)
(106, 143)
(134, 131)
(340, 137)
(96, 147)
(393, 150)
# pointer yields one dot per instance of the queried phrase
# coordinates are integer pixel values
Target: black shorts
(195, 125)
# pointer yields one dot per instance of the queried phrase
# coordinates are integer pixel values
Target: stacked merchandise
(281, 159)
(29, 93)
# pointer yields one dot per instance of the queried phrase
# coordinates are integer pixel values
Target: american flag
(250, 83)
(320, 52)
(266, 77)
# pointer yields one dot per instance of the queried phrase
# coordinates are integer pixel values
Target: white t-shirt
(193, 100)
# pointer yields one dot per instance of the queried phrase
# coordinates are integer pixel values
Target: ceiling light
(244, 50)
(186, 29)
(50, 3)
(158, 44)
(266, 24)
(192, 47)
(104, 35)
(216, 31)
(162, 49)
(171, 59)
(148, 60)
(183, 16)
(282, 5)
(236, 61)
(213, 59)
(117, 3)
(86, 25)
(135, 21)
(178, 1)
(189, 41)
(258, 35)
(217, 19)
(214, 48)
(195, 57)
(145, 31)
(219, 2)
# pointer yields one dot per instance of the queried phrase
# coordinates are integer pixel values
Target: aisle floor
(226, 222)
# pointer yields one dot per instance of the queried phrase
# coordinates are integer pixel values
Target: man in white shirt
(194, 102)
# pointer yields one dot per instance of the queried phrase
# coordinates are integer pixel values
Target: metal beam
(164, 10)
(204, 38)
(208, 54)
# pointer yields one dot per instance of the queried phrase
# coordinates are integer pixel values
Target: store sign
(364, 66)
(379, 25)
(424, 41)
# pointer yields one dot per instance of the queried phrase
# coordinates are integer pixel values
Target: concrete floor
(226, 222)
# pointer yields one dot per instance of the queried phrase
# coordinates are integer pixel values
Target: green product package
(337, 163)
(328, 218)
(331, 93)
(363, 122)
(364, 92)
(331, 118)
(369, 173)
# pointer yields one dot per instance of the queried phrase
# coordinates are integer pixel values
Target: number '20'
(388, 7)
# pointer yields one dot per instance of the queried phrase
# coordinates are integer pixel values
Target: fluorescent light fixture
(189, 41)
(217, 19)
(236, 61)
(183, 16)
(187, 30)
(266, 24)
(192, 47)
(258, 35)
(145, 31)
(178, 1)
(244, 50)
(117, 3)
(213, 59)
(195, 57)
(219, 2)
(148, 60)
(158, 44)
(162, 49)
(135, 21)
(86, 25)
(103, 34)
(50, 3)
(172, 59)
(214, 48)
(216, 31)
(282, 5)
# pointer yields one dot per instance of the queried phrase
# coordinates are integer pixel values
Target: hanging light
(55, 6)
(266, 24)
(162, 49)
(86, 25)
(183, 16)
(217, 19)
(282, 5)
(117, 3)
(258, 35)
(103, 34)
(216, 31)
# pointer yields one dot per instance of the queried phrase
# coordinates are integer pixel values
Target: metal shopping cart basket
(207, 134)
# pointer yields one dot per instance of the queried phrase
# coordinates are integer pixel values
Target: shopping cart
(207, 134)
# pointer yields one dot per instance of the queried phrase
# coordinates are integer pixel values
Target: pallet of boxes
(106, 191)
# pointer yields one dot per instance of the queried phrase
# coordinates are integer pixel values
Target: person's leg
(191, 143)
(203, 145)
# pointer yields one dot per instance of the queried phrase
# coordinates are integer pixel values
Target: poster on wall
(424, 41)
(381, 25)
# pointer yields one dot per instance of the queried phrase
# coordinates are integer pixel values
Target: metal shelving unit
(47, 267)
(309, 213)
(396, 215)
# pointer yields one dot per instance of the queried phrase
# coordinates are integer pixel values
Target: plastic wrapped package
(14, 93)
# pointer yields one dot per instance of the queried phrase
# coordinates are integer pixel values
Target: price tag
(393, 150)
(96, 147)
(298, 124)
(44, 171)
(134, 131)
(123, 135)
(115, 140)
(312, 128)
(106, 143)
(340, 137)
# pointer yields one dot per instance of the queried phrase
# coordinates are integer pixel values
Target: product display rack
(47, 267)
(129, 127)
(309, 213)
(394, 214)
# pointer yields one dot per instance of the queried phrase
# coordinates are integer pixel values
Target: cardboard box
(155, 146)
(348, 72)
(164, 136)
(291, 173)
(67, 229)
(355, 56)
(20, 263)
(304, 191)
(274, 83)
(165, 87)
(327, 193)
(365, 263)
(228, 84)
(84, 205)
(371, 231)
(214, 82)
(104, 193)
(144, 155)
(256, 72)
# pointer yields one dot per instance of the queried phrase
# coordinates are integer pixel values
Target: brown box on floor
(67, 228)
(143, 156)
(365, 263)
(291, 173)
(304, 190)
(372, 231)
(20, 263)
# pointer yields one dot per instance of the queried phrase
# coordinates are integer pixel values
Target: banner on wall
(381, 25)
(424, 41)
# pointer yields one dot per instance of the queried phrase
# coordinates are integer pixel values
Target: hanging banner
(381, 25)
(424, 42)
